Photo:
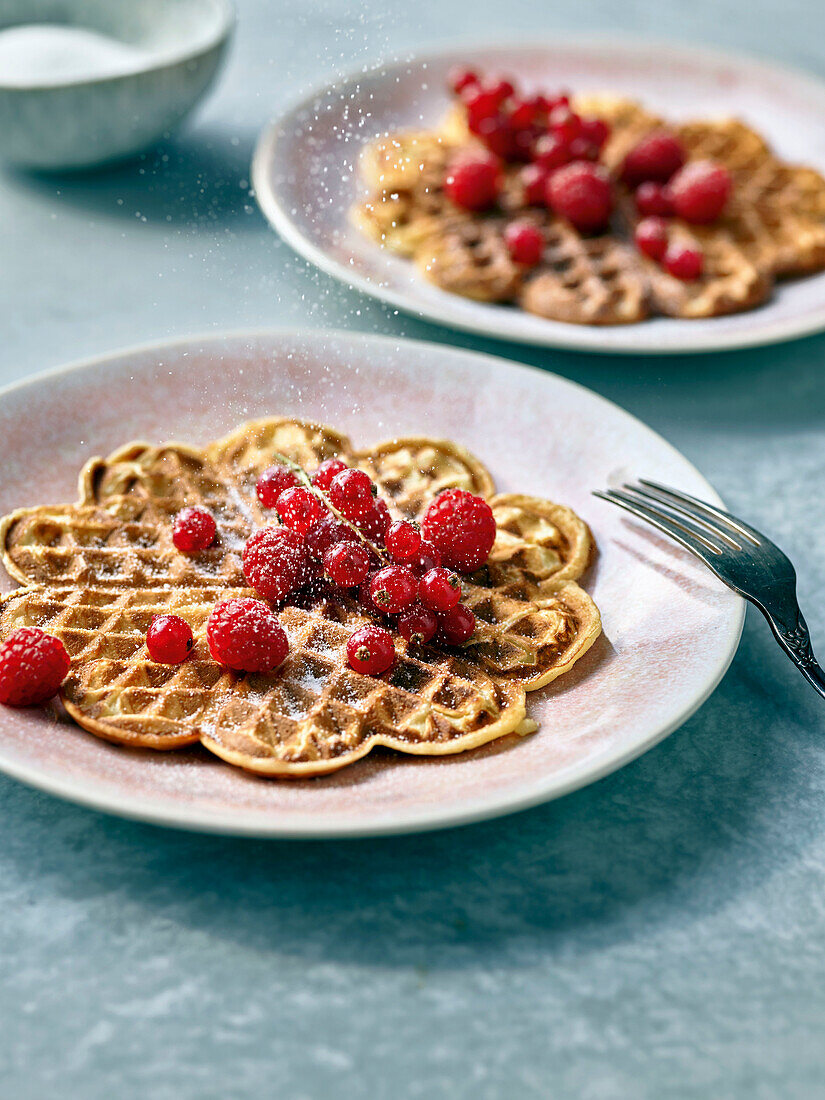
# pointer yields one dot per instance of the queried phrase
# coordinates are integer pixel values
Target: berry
(272, 482)
(564, 123)
(403, 541)
(440, 589)
(500, 87)
(194, 529)
(473, 183)
(299, 509)
(480, 105)
(376, 522)
(653, 199)
(417, 624)
(347, 564)
(326, 533)
(33, 665)
(322, 478)
(581, 193)
(462, 528)
(499, 137)
(582, 149)
(169, 639)
(371, 650)
(595, 130)
(684, 263)
(460, 78)
(393, 588)
(651, 237)
(656, 157)
(457, 625)
(428, 558)
(534, 181)
(521, 113)
(525, 243)
(700, 190)
(245, 635)
(351, 492)
(275, 562)
(550, 152)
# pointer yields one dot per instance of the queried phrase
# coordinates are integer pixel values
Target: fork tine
(737, 524)
(675, 507)
(681, 531)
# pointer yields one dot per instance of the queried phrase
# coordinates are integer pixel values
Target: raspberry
(651, 237)
(275, 562)
(351, 492)
(534, 181)
(460, 78)
(33, 665)
(457, 625)
(462, 528)
(656, 157)
(245, 635)
(272, 482)
(581, 193)
(654, 199)
(564, 123)
(370, 650)
(169, 639)
(440, 589)
(417, 624)
(595, 130)
(325, 533)
(403, 541)
(194, 529)
(428, 558)
(393, 588)
(322, 478)
(700, 190)
(299, 509)
(347, 564)
(684, 263)
(376, 522)
(525, 243)
(473, 183)
(550, 152)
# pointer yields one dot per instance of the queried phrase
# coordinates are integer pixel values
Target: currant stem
(303, 477)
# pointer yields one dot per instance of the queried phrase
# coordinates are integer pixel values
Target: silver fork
(740, 556)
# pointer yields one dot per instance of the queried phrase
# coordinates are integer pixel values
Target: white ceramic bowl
(169, 55)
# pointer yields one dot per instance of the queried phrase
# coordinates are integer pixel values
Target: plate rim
(568, 337)
(158, 812)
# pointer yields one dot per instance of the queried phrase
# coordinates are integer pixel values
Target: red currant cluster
(560, 151)
(335, 528)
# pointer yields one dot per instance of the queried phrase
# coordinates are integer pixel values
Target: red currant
(684, 263)
(393, 588)
(582, 149)
(376, 522)
(581, 193)
(456, 626)
(550, 152)
(322, 478)
(460, 78)
(500, 87)
(194, 529)
(564, 123)
(275, 562)
(347, 564)
(326, 533)
(299, 509)
(499, 137)
(370, 650)
(521, 113)
(427, 558)
(272, 482)
(480, 104)
(700, 191)
(595, 130)
(656, 157)
(534, 181)
(169, 639)
(403, 541)
(440, 589)
(417, 624)
(473, 183)
(654, 199)
(525, 243)
(352, 493)
(651, 237)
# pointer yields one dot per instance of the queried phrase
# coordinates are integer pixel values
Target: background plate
(306, 179)
(671, 628)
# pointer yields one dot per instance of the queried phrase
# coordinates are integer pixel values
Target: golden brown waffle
(773, 227)
(104, 566)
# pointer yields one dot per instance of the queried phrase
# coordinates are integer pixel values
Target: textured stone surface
(659, 934)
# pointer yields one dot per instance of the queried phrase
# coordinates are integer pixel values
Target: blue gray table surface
(659, 934)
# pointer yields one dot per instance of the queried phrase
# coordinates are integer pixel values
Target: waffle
(95, 573)
(773, 227)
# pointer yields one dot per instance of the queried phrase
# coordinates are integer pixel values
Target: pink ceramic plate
(306, 179)
(670, 628)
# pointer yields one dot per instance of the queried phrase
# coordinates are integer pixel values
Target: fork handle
(795, 639)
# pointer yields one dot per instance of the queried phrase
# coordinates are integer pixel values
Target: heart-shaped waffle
(96, 572)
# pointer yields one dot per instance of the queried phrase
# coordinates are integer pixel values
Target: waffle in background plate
(95, 573)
